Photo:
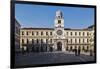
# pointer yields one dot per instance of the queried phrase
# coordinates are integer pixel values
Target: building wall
(17, 36)
(73, 38)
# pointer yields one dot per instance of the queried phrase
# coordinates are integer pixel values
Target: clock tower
(59, 25)
(59, 31)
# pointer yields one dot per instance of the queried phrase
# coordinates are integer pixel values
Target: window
(75, 33)
(19, 31)
(59, 21)
(71, 40)
(37, 41)
(41, 40)
(32, 41)
(67, 33)
(50, 40)
(87, 40)
(87, 33)
(79, 40)
(71, 33)
(75, 40)
(22, 41)
(46, 40)
(83, 33)
(22, 32)
(79, 33)
(27, 41)
(27, 33)
(58, 16)
(37, 33)
(67, 40)
(50, 33)
(41, 33)
(83, 40)
(83, 48)
(32, 33)
(46, 33)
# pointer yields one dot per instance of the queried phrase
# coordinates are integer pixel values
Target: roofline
(53, 29)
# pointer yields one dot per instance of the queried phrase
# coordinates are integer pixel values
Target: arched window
(27, 41)
(83, 33)
(75, 40)
(37, 41)
(41, 33)
(22, 41)
(46, 40)
(50, 40)
(22, 32)
(79, 33)
(83, 40)
(75, 33)
(71, 41)
(32, 33)
(46, 33)
(27, 33)
(50, 33)
(36, 33)
(41, 40)
(71, 33)
(79, 40)
(32, 41)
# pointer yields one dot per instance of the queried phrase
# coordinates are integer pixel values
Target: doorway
(59, 46)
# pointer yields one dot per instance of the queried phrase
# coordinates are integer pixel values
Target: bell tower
(59, 37)
(59, 25)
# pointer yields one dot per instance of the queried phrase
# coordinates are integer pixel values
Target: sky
(43, 16)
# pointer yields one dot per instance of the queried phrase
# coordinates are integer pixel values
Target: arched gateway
(59, 46)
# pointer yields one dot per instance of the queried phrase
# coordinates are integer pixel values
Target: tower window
(59, 21)
(58, 16)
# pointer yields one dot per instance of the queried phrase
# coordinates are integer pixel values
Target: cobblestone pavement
(49, 58)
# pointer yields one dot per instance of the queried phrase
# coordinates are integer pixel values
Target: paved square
(49, 58)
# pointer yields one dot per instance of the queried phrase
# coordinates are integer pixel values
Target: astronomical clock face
(59, 32)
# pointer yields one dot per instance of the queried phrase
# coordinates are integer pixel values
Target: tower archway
(59, 46)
